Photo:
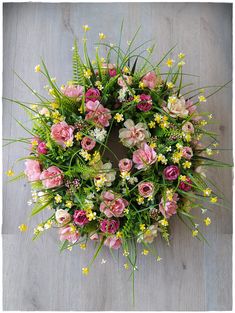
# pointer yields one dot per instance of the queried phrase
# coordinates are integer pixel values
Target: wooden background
(191, 275)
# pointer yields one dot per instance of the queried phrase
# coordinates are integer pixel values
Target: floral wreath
(162, 174)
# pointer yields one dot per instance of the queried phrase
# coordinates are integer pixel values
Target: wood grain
(191, 275)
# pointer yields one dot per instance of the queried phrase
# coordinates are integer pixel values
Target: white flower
(99, 134)
(133, 180)
(90, 196)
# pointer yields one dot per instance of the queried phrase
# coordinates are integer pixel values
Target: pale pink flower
(150, 80)
(97, 113)
(125, 165)
(94, 237)
(132, 134)
(87, 143)
(61, 133)
(187, 153)
(188, 128)
(125, 81)
(167, 207)
(32, 170)
(62, 216)
(146, 189)
(144, 156)
(177, 108)
(44, 111)
(113, 242)
(190, 107)
(68, 233)
(171, 172)
(73, 91)
(52, 177)
(112, 205)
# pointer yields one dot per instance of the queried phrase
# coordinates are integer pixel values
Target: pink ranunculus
(188, 128)
(52, 177)
(171, 172)
(112, 72)
(92, 94)
(150, 80)
(113, 242)
(62, 216)
(132, 134)
(144, 156)
(32, 170)
(80, 217)
(73, 91)
(145, 103)
(42, 148)
(168, 208)
(146, 189)
(187, 153)
(125, 81)
(125, 165)
(61, 133)
(109, 226)
(68, 233)
(110, 68)
(112, 205)
(186, 185)
(87, 143)
(97, 113)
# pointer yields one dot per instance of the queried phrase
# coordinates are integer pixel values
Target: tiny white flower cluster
(98, 134)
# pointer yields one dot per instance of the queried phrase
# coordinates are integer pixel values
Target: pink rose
(61, 133)
(113, 242)
(52, 177)
(145, 103)
(126, 80)
(87, 143)
(32, 170)
(188, 128)
(146, 189)
(112, 205)
(132, 134)
(112, 72)
(171, 172)
(185, 185)
(80, 217)
(68, 233)
(97, 113)
(150, 80)
(144, 156)
(92, 94)
(125, 165)
(187, 153)
(73, 91)
(62, 216)
(109, 226)
(42, 148)
(168, 208)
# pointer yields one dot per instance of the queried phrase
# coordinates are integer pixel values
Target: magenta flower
(42, 148)
(87, 143)
(145, 103)
(112, 205)
(168, 208)
(150, 80)
(52, 177)
(144, 156)
(146, 189)
(92, 94)
(97, 113)
(171, 172)
(113, 242)
(80, 217)
(61, 133)
(125, 165)
(185, 185)
(32, 170)
(109, 226)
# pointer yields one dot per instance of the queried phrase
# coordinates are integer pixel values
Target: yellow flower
(181, 63)
(201, 98)
(10, 172)
(119, 234)
(141, 85)
(48, 224)
(54, 105)
(170, 85)
(153, 145)
(126, 266)
(215, 144)
(78, 136)
(102, 36)
(72, 228)
(207, 192)
(136, 98)
(126, 70)
(169, 194)
(161, 158)
(152, 124)
(214, 199)
(69, 143)
(83, 246)
(23, 227)
(207, 221)
(99, 85)
(87, 73)
(183, 177)
(194, 232)
(69, 204)
(119, 117)
(148, 232)
(85, 28)
(125, 175)
(140, 200)
(70, 248)
(187, 164)
(203, 122)
(58, 198)
(85, 271)
(91, 215)
(172, 99)
(159, 258)
(126, 211)
(142, 227)
(187, 137)
(210, 116)
(209, 151)
(170, 62)
(181, 55)
(164, 222)
(34, 107)
(164, 124)
(86, 156)
(145, 252)
(125, 253)
(37, 68)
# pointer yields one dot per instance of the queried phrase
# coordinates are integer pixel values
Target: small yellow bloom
(164, 222)
(34, 142)
(145, 252)
(170, 85)
(183, 177)
(102, 36)
(72, 228)
(207, 221)
(83, 246)
(152, 124)
(201, 98)
(119, 234)
(153, 145)
(78, 136)
(140, 200)
(85, 271)
(126, 211)
(37, 68)
(148, 232)
(54, 105)
(126, 266)
(172, 99)
(119, 117)
(23, 227)
(86, 156)
(161, 158)
(125, 253)
(126, 70)
(85, 28)
(170, 62)
(91, 215)
(187, 164)
(203, 122)
(34, 107)
(194, 232)
(142, 227)
(210, 116)
(10, 172)
(215, 144)
(69, 143)
(159, 258)
(87, 73)
(209, 151)
(214, 199)
(141, 85)
(69, 248)
(69, 204)
(136, 98)
(181, 55)
(58, 198)
(207, 192)
(181, 63)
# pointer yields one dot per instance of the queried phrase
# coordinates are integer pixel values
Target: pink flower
(68, 233)
(171, 172)
(185, 185)
(94, 237)
(42, 148)
(62, 216)
(126, 80)
(113, 242)
(92, 94)
(109, 226)
(111, 69)
(97, 113)
(146, 189)
(144, 156)
(112, 72)
(168, 208)
(188, 128)
(61, 133)
(87, 143)
(125, 165)
(112, 205)
(52, 177)
(73, 91)
(145, 103)
(132, 134)
(150, 80)
(80, 217)
(32, 170)
(190, 106)
(187, 153)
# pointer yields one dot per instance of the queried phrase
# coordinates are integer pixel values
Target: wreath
(127, 202)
